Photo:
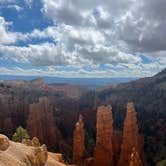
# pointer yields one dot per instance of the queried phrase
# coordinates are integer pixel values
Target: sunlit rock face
(4, 142)
(41, 122)
(135, 159)
(20, 154)
(78, 142)
(103, 151)
(131, 137)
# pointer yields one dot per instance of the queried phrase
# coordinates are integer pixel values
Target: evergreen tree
(20, 134)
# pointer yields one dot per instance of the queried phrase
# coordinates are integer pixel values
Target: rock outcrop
(35, 142)
(78, 142)
(103, 152)
(135, 159)
(4, 142)
(41, 122)
(19, 154)
(39, 157)
(131, 137)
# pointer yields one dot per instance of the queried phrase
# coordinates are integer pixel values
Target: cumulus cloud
(94, 32)
(7, 37)
(141, 25)
(41, 55)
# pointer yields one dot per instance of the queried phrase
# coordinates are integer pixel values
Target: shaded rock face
(4, 142)
(131, 137)
(135, 159)
(116, 143)
(78, 142)
(41, 123)
(103, 151)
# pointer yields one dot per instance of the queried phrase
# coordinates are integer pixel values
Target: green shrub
(162, 163)
(20, 134)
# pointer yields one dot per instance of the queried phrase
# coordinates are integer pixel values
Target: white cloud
(94, 32)
(16, 7)
(40, 55)
(131, 70)
(7, 1)
(6, 36)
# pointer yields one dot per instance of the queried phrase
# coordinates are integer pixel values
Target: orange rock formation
(131, 137)
(103, 152)
(78, 143)
(112, 149)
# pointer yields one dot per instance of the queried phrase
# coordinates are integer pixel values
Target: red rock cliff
(103, 152)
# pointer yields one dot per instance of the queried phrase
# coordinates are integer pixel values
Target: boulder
(4, 142)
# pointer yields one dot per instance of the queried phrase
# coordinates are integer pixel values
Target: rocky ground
(22, 154)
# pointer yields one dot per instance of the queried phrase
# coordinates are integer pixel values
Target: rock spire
(131, 137)
(103, 151)
(78, 142)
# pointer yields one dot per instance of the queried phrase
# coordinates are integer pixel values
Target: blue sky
(68, 38)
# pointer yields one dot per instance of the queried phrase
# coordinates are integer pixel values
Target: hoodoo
(131, 137)
(103, 151)
(78, 142)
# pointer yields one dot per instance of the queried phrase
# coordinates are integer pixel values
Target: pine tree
(20, 134)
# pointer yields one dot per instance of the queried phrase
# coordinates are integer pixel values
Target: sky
(82, 38)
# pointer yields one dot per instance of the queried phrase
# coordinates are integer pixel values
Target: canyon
(51, 115)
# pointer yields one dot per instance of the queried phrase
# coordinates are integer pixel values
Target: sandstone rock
(39, 158)
(131, 137)
(135, 158)
(78, 141)
(35, 142)
(89, 161)
(56, 156)
(4, 142)
(19, 154)
(103, 152)
(27, 142)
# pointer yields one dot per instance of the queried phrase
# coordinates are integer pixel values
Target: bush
(161, 163)
(20, 134)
